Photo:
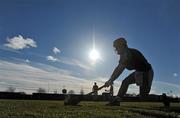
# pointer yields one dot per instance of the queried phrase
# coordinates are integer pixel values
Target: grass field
(56, 109)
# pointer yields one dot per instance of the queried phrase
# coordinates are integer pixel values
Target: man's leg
(147, 81)
(122, 91)
(125, 83)
(144, 88)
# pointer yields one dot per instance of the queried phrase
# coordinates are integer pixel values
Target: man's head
(120, 45)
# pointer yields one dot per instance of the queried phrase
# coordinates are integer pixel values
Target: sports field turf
(56, 109)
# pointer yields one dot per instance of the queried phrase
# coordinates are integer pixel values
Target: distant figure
(131, 59)
(95, 88)
(166, 100)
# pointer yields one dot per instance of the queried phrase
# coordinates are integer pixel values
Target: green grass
(56, 109)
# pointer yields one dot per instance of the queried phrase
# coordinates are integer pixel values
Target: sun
(94, 55)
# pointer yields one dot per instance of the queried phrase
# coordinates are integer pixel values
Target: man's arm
(118, 70)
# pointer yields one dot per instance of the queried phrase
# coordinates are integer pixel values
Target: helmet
(119, 42)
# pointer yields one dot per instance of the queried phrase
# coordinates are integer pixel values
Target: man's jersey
(134, 60)
(95, 87)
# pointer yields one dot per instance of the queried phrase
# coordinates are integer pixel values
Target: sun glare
(94, 55)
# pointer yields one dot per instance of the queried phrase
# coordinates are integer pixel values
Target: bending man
(131, 59)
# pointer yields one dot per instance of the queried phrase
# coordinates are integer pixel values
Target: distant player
(95, 89)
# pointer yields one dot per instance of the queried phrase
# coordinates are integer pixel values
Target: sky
(47, 43)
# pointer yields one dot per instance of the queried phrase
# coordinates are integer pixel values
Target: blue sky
(49, 41)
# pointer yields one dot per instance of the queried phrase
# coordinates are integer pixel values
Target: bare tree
(71, 92)
(41, 90)
(11, 89)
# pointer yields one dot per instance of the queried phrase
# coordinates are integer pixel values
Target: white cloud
(72, 62)
(175, 75)
(18, 42)
(27, 60)
(56, 50)
(75, 62)
(26, 77)
(51, 58)
(159, 87)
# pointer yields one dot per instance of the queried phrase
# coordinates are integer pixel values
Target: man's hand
(108, 83)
